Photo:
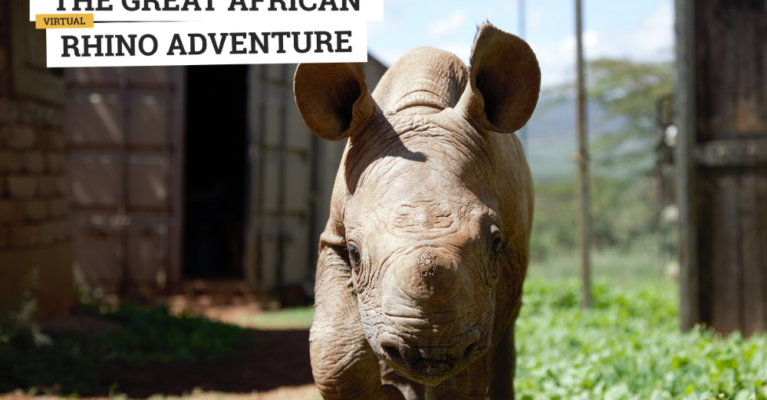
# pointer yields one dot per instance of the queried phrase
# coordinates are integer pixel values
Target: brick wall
(35, 253)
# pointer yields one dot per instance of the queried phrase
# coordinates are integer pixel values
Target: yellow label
(53, 21)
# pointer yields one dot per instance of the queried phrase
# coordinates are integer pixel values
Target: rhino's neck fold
(423, 81)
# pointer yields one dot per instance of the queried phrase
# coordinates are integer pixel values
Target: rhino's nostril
(469, 351)
(393, 353)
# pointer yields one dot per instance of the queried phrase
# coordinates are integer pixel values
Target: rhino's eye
(354, 257)
(495, 248)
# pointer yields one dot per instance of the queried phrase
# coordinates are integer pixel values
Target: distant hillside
(551, 136)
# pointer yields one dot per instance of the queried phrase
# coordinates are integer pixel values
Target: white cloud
(651, 40)
(648, 36)
(654, 41)
(448, 25)
(461, 49)
(536, 19)
(395, 18)
(388, 56)
(591, 44)
(503, 7)
(557, 59)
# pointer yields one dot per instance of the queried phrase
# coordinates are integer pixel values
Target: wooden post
(722, 164)
(584, 216)
(685, 122)
(522, 34)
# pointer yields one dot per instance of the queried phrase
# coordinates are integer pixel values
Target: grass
(293, 318)
(619, 267)
(628, 347)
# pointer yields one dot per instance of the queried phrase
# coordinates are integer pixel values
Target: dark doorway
(215, 172)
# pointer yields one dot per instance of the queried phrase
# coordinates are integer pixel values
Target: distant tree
(628, 90)
(623, 159)
(623, 201)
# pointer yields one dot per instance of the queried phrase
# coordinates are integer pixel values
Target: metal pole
(584, 217)
(522, 34)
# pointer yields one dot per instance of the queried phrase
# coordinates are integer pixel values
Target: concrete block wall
(35, 251)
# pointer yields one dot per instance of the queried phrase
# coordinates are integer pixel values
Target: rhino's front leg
(411, 390)
(491, 377)
(343, 364)
(504, 366)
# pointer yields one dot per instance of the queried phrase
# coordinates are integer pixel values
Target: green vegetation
(641, 265)
(624, 196)
(154, 335)
(292, 318)
(72, 362)
(628, 347)
(628, 90)
(57, 364)
(624, 219)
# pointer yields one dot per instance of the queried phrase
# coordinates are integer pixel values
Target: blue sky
(636, 29)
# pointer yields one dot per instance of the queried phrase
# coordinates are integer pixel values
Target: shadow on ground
(272, 359)
(172, 347)
(280, 358)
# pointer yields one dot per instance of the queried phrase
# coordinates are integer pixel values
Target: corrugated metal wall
(125, 147)
(123, 135)
(292, 175)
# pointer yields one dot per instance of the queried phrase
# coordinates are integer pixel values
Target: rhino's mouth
(429, 364)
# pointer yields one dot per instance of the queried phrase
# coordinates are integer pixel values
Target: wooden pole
(689, 311)
(522, 34)
(584, 216)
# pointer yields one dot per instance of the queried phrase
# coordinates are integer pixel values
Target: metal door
(124, 146)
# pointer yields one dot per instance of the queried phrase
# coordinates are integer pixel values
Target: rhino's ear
(505, 80)
(333, 99)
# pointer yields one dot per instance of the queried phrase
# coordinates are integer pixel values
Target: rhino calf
(421, 264)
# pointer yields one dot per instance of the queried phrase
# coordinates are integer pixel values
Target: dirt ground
(305, 392)
(280, 359)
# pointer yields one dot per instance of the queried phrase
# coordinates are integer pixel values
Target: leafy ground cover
(73, 362)
(154, 335)
(628, 347)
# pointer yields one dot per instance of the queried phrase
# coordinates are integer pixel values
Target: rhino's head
(419, 199)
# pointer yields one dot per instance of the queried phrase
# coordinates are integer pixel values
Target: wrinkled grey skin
(421, 264)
